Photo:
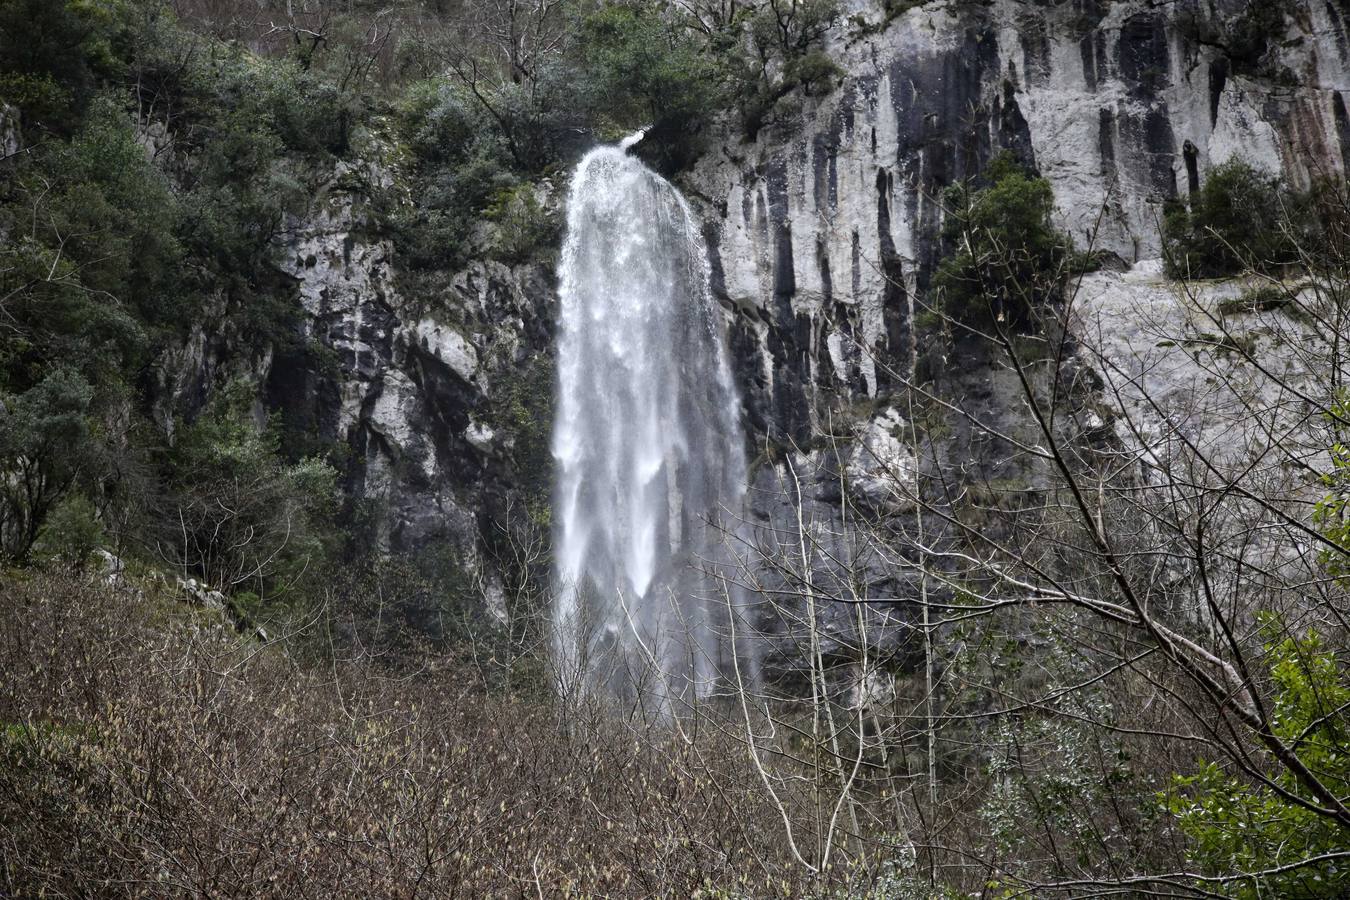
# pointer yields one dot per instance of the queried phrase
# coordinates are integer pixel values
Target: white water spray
(649, 449)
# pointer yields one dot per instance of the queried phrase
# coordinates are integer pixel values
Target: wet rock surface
(822, 228)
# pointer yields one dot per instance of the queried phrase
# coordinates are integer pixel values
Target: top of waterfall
(632, 139)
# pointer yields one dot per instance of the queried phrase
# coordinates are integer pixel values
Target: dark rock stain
(1218, 79)
(1342, 128)
(1033, 34)
(894, 301)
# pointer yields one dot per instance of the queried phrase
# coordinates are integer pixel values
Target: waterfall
(648, 444)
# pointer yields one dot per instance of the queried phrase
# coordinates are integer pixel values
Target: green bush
(1005, 258)
(44, 440)
(120, 213)
(92, 264)
(459, 163)
(785, 55)
(236, 514)
(71, 533)
(523, 404)
(437, 123)
(1331, 515)
(643, 70)
(53, 54)
(1237, 826)
(1234, 223)
(524, 230)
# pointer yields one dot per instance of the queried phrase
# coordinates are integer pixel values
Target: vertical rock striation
(823, 226)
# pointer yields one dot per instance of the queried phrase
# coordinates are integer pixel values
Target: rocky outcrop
(9, 131)
(422, 380)
(1211, 364)
(440, 393)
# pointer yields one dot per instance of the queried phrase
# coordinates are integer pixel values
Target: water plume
(648, 444)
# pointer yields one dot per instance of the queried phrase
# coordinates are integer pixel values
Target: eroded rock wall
(821, 227)
(824, 231)
(437, 390)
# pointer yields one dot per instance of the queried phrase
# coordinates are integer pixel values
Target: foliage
(140, 212)
(1239, 827)
(72, 532)
(459, 163)
(53, 53)
(643, 69)
(524, 230)
(524, 405)
(784, 40)
(1051, 780)
(236, 514)
(151, 747)
(117, 215)
(44, 440)
(1331, 515)
(94, 260)
(1233, 224)
(1005, 258)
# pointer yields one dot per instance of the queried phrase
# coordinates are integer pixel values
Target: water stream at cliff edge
(649, 448)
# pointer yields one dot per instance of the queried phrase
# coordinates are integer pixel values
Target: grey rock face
(418, 378)
(822, 228)
(199, 594)
(9, 131)
(823, 231)
(882, 469)
(424, 388)
(815, 571)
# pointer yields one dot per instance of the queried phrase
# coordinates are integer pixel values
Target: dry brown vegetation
(149, 750)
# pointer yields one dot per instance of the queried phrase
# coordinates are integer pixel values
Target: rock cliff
(822, 230)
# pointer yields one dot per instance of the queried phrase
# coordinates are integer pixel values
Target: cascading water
(651, 467)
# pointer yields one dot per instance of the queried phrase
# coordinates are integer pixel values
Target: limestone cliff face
(438, 395)
(441, 392)
(821, 232)
(822, 227)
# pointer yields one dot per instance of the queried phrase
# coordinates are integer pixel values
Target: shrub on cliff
(524, 231)
(90, 260)
(1005, 258)
(458, 163)
(643, 69)
(784, 54)
(1235, 222)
